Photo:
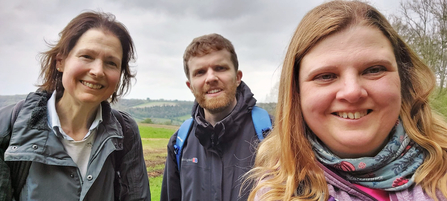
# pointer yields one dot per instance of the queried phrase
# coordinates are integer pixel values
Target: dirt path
(157, 158)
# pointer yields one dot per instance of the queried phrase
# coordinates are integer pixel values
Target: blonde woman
(353, 120)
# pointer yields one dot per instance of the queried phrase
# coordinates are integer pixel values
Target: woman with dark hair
(64, 141)
(353, 120)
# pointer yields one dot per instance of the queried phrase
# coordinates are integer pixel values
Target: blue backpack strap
(261, 121)
(182, 134)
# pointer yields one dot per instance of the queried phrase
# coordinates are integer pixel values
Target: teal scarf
(392, 169)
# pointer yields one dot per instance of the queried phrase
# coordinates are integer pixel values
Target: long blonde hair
(286, 167)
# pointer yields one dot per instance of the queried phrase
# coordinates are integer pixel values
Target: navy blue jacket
(215, 158)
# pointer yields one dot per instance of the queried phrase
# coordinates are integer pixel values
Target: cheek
(197, 83)
(116, 78)
(388, 93)
(314, 101)
(68, 77)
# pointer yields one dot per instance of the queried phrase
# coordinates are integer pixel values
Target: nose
(352, 90)
(97, 68)
(211, 76)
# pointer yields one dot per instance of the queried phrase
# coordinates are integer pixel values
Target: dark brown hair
(206, 44)
(69, 36)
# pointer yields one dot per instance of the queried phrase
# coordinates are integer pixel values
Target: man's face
(213, 80)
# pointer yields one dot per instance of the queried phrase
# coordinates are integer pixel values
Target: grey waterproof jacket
(53, 175)
(214, 158)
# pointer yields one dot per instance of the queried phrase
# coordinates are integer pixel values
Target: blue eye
(200, 72)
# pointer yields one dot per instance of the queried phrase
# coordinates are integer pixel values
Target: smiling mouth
(352, 115)
(214, 91)
(90, 85)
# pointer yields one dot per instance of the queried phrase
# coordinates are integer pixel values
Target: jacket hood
(225, 129)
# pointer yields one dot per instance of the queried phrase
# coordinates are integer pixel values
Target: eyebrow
(108, 56)
(377, 62)
(317, 70)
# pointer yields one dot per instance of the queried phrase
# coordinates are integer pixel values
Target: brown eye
(86, 56)
(111, 63)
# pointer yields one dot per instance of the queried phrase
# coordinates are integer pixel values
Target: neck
(214, 117)
(75, 119)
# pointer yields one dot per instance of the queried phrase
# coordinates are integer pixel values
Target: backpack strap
(119, 155)
(182, 134)
(261, 121)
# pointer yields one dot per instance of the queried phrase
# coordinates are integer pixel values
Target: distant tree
(147, 121)
(167, 122)
(423, 23)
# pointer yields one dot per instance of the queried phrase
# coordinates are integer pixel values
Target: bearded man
(220, 147)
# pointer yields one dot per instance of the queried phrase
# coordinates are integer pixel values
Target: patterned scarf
(392, 169)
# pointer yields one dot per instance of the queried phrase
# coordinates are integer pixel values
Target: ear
(188, 84)
(60, 62)
(238, 77)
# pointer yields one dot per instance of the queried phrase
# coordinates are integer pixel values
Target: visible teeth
(350, 115)
(93, 86)
(213, 91)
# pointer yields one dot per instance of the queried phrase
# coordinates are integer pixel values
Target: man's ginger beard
(217, 104)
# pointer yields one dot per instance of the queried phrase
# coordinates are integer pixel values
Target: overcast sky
(161, 29)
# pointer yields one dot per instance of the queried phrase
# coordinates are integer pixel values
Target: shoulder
(128, 118)
(5, 119)
(172, 142)
(417, 193)
(125, 119)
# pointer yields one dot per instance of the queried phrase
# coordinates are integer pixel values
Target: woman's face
(350, 91)
(92, 69)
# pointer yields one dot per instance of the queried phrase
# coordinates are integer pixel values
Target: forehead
(355, 45)
(99, 41)
(215, 58)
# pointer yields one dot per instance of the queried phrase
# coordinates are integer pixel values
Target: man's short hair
(206, 44)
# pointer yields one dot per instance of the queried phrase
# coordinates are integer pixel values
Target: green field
(155, 139)
(146, 131)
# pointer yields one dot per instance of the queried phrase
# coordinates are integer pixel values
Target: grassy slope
(154, 142)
